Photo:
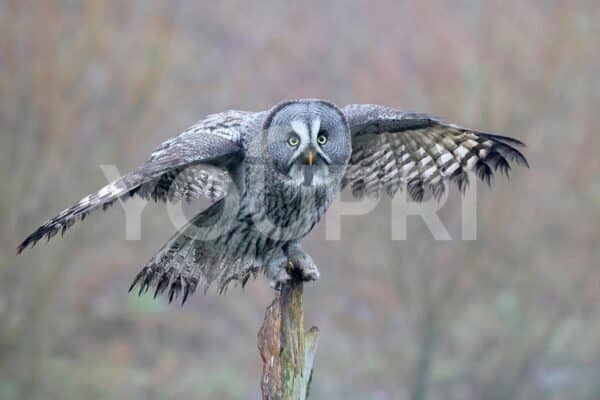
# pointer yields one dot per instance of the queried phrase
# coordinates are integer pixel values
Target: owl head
(307, 141)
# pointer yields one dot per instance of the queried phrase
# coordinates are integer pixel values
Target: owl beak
(310, 156)
(308, 170)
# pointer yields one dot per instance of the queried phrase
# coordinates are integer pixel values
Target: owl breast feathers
(273, 174)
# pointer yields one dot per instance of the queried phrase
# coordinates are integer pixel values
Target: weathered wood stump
(286, 350)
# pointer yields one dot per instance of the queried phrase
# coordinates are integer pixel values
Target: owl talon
(310, 273)
(302, 266)
(299, 268)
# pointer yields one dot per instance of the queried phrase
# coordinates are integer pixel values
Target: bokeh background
(511, 315)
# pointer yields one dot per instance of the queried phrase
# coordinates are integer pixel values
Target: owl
(273, 174)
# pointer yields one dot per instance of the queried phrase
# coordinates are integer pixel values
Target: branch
(286, 350)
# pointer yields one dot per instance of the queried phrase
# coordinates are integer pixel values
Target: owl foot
(297, 266)
(302, 267)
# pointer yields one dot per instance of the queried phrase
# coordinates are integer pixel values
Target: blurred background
(511, 315)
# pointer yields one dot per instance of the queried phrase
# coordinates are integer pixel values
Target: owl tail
(181, 264)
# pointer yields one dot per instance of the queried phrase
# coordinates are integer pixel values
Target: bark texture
(286, 350)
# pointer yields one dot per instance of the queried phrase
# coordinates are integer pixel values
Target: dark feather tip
(186, 292)
(484, 172)
(504, 139)
(416, 189)
(32, 239)
(147, 282)
(174, 290)
(498, 162)
(461, 178)
(22, 246)
(438, 190)
(162, 285)
(138, 278)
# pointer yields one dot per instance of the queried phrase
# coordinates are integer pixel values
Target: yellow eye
(293, 141)
(322, 139)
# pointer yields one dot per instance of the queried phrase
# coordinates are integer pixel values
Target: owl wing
(392, 149)
(191, 165)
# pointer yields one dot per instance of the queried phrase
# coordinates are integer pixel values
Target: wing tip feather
(172, 282)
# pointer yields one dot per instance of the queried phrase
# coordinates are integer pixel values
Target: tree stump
(286, 350)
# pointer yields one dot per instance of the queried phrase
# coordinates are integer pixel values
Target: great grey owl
(274, 173)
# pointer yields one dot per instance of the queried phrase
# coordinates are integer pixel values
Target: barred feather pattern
(180, 168)
(195, 257)
(228, 243)
(248, 229)
(425, 159)
(191, 183)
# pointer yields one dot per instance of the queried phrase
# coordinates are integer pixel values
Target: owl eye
(293, 141)
(322, 139)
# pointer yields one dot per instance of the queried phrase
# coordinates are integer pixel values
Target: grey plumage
(274, 173)
(392, 149)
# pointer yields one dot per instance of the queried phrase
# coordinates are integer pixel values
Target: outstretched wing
(188, 166)
(392, 149)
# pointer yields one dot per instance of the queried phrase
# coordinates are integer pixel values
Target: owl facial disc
(305, 141)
